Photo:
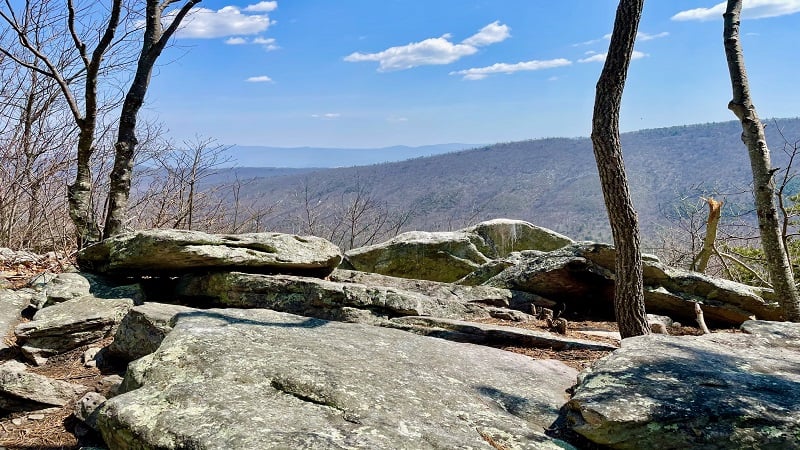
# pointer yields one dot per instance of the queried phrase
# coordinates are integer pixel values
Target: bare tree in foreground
(778, 265)
(629, 289)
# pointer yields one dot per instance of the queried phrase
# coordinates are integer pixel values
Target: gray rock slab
(162, 252)
(66, 286)
(70, 324)
(500, 237)
(320, 298)
(716, 391)
(244, 379)
(142, 330)
(21, 390)
(444, 256)
(446, 291)
(11, 306)
(489, 334)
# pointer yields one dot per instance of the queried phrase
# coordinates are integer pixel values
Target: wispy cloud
(262, 7)
(268, 43)
(326, 116)
(490, 34)
(640, 36)
(236, 41)
(204, 23)
(601, 57)
(259, 79)
(480, 73)
(433, 51)
(751, 9)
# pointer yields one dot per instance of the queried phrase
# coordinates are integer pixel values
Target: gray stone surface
(70, 324)
(261, 379)
(500, 237)
(440, 256)
(716, 391)
(313, 297)
(445, 291)
(11, 306)
(488, 334)
(162, 252)
(21, 390)
(142, 330)
(66, 286)
(582, 277)
(88, 407)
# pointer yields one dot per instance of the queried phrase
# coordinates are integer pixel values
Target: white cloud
(490, 34)
(649, 37)
(394, 119)
(640, 36)
(262, 7)
(203, 23)
(601, 57)
(259, 79)
(268, 43)
(236, 41)
(751, 9)
(480, 73)
(432, 51)
(326, 116)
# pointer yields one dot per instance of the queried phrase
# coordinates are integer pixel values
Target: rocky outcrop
(500, 237)
(715, 391)
(352, 302)
(142, 330)
(452, 255)
(70, 324)
(165, 252)
(21, 390)
(440, 256)
(262, 379)
(582, 277)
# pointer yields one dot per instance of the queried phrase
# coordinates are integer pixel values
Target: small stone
(86, 409)
(89, 357)
(36, 416)
(109, 385)
(18, 421)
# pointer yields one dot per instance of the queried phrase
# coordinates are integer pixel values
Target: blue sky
(359, 73)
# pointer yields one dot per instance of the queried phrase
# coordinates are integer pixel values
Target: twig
(699, 313)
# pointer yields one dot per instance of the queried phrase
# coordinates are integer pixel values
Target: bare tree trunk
(629, 290)
(700, 263)
(780, 270)
(154, 41)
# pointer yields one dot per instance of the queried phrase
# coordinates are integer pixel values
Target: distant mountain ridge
(322, 157)
(549, 182)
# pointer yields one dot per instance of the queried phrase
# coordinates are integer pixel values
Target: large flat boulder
(70, 324)
(716, 391)
(313, 297)
(444, 256)
(243, 379)
(500, 237)
(171, 252)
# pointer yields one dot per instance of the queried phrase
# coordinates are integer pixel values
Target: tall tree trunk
(154, 41)
(780, 270)
(629, 290)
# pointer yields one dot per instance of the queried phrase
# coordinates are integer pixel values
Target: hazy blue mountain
(550, 182)
(305, 157)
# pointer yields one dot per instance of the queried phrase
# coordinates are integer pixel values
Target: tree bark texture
(629, 290)
(154, 41)
(780, 270)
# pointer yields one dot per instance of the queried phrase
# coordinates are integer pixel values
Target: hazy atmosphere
(374, 74)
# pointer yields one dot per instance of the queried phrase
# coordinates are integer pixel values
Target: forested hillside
(550, 182)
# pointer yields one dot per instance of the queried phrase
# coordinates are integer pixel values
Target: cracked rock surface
(263, 379)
